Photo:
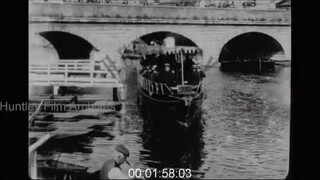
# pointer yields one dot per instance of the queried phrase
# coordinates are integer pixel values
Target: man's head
(167, 67)
(194, 67)
(154, 67)
(198, 68)
(121, 153)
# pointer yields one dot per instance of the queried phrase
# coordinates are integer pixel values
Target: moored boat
(61, 166)
(60, 170)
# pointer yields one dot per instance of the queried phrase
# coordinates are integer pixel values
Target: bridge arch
(251, 45)
(147, 36)
(155, 35)
(68, 45)
(180, 40)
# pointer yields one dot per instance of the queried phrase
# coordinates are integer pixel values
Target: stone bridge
(222, 34)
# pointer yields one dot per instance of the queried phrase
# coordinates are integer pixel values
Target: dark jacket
(196, 77)
(168, 77)
(154, 76)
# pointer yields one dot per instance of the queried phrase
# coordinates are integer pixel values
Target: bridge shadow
(253, 67)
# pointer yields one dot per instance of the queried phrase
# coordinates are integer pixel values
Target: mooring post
(33, 165)
(123, 110)
(123, 93)
(115, 94)
(55, 90)
(259, 64)
(33, 155)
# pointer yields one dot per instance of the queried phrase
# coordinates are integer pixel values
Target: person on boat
(196, 75)
(168, 75)
(149, 72)
(145, 72)
(153, 42)
(196, 59)
(201, 73)
(111, 168)
(188, 64)
(154, 74)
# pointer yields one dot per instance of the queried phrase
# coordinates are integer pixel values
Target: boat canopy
(139, 47)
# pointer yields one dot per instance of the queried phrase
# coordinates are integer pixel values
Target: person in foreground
(111, 168)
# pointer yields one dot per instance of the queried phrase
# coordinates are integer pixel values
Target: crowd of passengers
(164, 68)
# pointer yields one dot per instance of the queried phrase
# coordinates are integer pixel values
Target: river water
(244, 132)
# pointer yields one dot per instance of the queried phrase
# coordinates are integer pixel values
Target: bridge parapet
(101, 13)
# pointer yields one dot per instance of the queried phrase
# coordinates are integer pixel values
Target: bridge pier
(123, 92)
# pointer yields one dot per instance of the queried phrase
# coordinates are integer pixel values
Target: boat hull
(61, 166)
(162, 113)
(51, 169)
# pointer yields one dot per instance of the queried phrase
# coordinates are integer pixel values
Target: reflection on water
(244, 132)
(175, 149)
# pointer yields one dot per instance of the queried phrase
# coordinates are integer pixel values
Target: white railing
(153, 87)
(162, 88)
(80, 73)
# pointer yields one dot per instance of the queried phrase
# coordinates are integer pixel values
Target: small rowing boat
(54, 165)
